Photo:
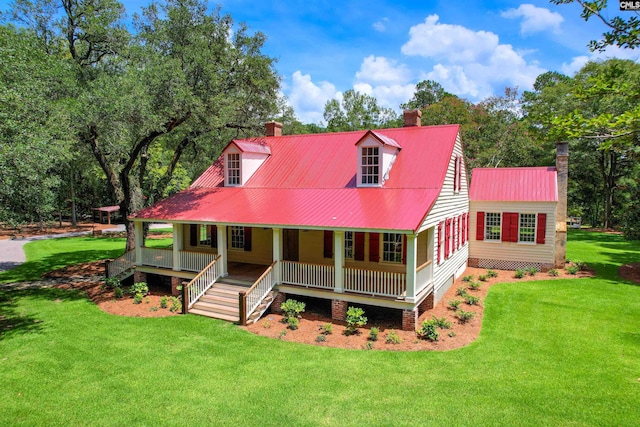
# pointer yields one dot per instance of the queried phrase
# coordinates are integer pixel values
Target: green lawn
(564, 352)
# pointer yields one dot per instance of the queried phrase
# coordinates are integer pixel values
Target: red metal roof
(310, 180)
(385, 140)
(251, 146)
(535, 184)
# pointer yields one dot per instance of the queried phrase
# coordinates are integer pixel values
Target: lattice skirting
(498, 264)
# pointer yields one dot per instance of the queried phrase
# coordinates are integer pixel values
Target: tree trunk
(74, 221)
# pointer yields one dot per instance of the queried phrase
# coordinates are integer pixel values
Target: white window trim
(207, 233)
(228, 170)
(231, 246)
(486, 227)
(382, 251)
(345, 245)
(535, 228)
(361, 175)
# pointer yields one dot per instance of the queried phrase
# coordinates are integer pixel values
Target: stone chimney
(412, 117)
(562, 166)
(273, 128)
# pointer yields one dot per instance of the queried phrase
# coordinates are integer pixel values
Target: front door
(290, 243)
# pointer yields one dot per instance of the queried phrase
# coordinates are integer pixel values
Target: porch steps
(264, 305)
(220, 301)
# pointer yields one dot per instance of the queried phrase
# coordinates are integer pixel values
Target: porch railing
(379, 283)
(195, 261)
(162, 258)
(121, 264)
(250, 299)
(200, 284)
(312, 275)
(423, 276)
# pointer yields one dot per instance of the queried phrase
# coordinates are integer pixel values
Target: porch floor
(244, 272)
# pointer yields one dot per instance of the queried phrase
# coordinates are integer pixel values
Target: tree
(624, 33)
(357, 111)
(427, 92)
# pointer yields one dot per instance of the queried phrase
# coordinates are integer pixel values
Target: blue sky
(474, 49)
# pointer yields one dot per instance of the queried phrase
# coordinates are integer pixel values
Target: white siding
(448, 205)
(511, 251)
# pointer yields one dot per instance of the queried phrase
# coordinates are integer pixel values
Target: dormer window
(370, 165)
(241, 160)
(233, 169)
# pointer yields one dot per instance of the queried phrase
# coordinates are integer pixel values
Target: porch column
(338, 258)
(138, 238)
(222, 249)
(178, 241)
(412, 264)
(277, 253)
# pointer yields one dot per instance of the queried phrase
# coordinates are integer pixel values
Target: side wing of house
(448, 223)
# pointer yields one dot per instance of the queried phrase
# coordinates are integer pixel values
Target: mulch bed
(630, 272)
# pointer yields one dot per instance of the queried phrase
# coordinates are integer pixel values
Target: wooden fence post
(185, 299)
(242, 306)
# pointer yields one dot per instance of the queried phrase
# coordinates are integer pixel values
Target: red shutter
(455, 174)
(247, 239)
(439, 242)
(358, 246)
(328, 244)
(459, 237)
(374, 247)
(214, 236)
(404, 249)
(509, 227)
(541, 228)
(480, 226)
(193, 235)
(460, 174)
(464, 228)
(467, 238)
(447, 238)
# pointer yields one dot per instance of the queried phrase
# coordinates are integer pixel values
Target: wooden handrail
(426, 264)
(203, 270)
(197, 252)
(248, 291)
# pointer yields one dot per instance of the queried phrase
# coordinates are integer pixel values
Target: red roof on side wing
(310, 180)
(535, 184)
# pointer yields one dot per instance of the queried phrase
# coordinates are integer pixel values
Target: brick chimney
(562, 166)
(412, 117)
(273, 128)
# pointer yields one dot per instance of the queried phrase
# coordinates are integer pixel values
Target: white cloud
(610, 52)
(308, 99)
(454, 79)
(575, 65)
(381, 25)
(378, 69)
(535, 19)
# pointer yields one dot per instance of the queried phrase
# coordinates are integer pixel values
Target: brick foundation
(473, 262)
(276, 305)
(339, 309)
(139, 276)
(409, 319)
(427, 304)
(175, 282)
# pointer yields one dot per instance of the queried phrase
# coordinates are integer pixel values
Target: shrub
(572, 269)
(393, 338)
(553, 272)
(292, 308)
(531, 271)
(373, 334)
(147, 300)
(471, 300)
(326, 328)
(467, 278)
(441, 322)
(429, 330)
(520, 273)
(465, 316)
(137, 298)
(461, 291)
(369, 345)
(293, 323)
(320, 338)
(139, 288)
(482, 278)
(118, 292)
(164, 302)
(113, 282)
(282, 333)
(355, 319)
(154, 308)
(454, 304)
(452, 334)
(492, 273)
(176, 304)
(474, 286)
(582, 266)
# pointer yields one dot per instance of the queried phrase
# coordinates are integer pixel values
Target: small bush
(326, 329)
(137, 298)
(492, 273)
(520, 273)
(454, 304)
(293, 323)
(531, 271)
(154, 308)
(113, 282)
(292, 308)
(266, 324)
(373, 334)
(321, 338)
(139, 288)
(393, 338)
(572, 269)
(582, 266)
(355, 320)
(118, 293)
(147, 300)
(465, 316)
(461, 291)
(164, 302)
(176, 304)
(474, 286)
(553, 272)
(282, 333)
(369, 345)
(471, 300)
(482, 278)
(441, 322)
(451, 334)
(467, 278)
(428, 330)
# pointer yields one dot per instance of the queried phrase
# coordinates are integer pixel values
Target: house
(376, 217)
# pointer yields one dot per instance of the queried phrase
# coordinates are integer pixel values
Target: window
(492, 226)
(392, 247)
(527, 230)
(237, 237)
(233, 168)
(205, 235)
(370, 165)
(348, 244)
